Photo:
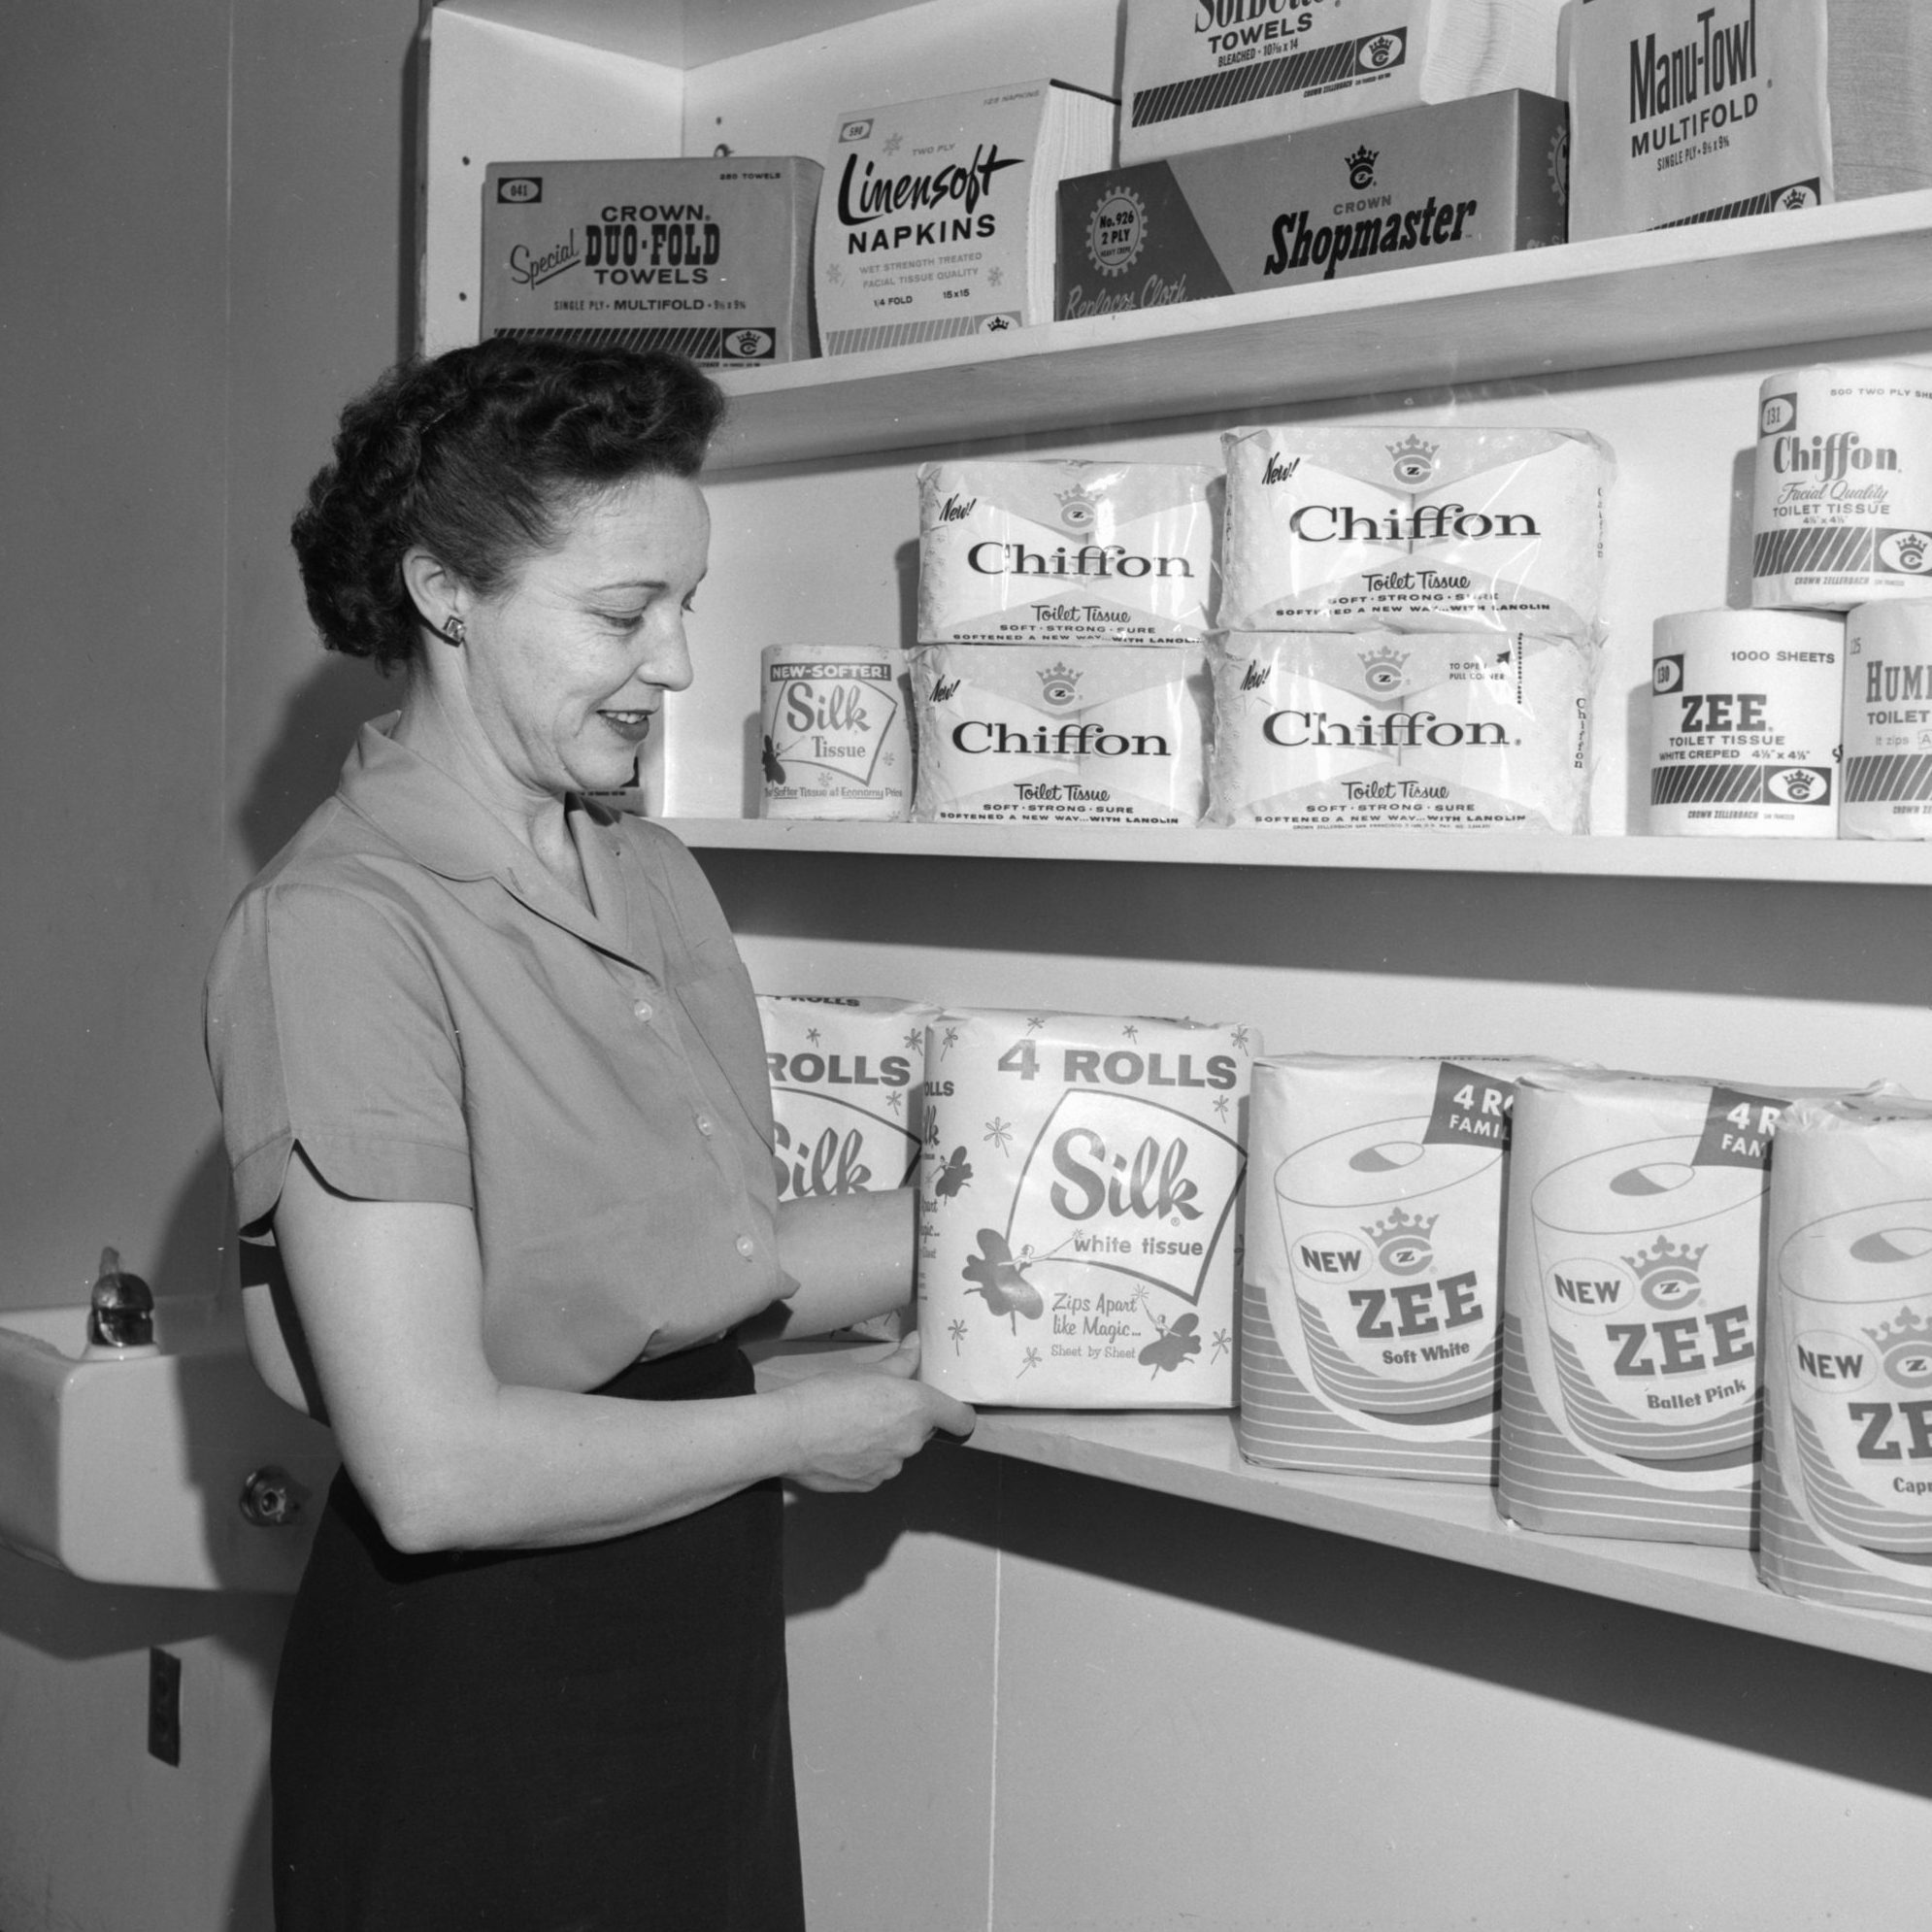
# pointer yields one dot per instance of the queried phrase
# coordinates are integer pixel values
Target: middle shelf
(1819, 861)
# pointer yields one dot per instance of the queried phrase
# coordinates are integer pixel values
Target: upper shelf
(1820, 861)
(1859, 268)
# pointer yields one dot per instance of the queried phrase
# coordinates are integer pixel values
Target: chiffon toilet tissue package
(1067, 552)
(1373, 1271)
(1847, 1450)
(1454, 730)
(1079, 1210)
(1105, 735)
(1396, 527)
(1633, 1289)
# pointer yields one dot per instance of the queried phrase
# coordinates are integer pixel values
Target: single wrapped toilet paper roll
(1887, 722)
(836, 732)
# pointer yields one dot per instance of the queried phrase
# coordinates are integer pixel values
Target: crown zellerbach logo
(1060, 685)
(1905, 1347)
(1080, 507)
(1117, 231)
(1666, 1272)
(1414, 461)
(1381, 669)
(1402, 1243)
(1362, 166)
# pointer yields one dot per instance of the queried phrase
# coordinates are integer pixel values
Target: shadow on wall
(300, 770)
(1841, 1715)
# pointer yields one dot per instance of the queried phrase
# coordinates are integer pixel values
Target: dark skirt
(591, 1738)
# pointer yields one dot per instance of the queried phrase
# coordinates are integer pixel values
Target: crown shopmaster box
(1477, 177)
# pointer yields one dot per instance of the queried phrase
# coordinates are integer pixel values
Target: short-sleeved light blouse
(407, 994)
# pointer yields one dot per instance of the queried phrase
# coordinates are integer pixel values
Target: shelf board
(1194, 1457)
(1858, 268)
(1820, 861)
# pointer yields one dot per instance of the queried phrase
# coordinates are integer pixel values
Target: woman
(492, 1085)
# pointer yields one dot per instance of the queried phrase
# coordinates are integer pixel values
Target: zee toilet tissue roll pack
(1484, 731)
(1413, 528)
(1371, 1278)
(1066, 553)
(1634, 1278)
(1847, 1453)
(1078, 1210)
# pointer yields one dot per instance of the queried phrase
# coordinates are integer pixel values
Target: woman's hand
(855, 1428)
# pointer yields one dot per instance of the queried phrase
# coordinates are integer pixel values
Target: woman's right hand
(854, 1428)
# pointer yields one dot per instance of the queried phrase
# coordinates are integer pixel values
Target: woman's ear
(437, 593)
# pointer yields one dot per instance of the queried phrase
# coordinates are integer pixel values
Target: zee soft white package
(1372, 1273)
(1632, 1293)
(837, 731)
(1847, 1451)
(1464, 731)
(1395, 527)
(1105, 735)
(1066, 553)
(1078, 1207)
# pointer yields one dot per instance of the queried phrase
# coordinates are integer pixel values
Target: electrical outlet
(164, 1707)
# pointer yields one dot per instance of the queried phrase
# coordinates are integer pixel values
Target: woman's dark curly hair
(479, 457)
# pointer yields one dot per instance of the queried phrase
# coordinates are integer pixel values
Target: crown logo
(1414, 459)
(1666, 1272)
(1382, 668)
(1402, 1241)
(1362, 166)
(1080, 507)
(1059, 683)
(1912, 549)
(1904, 1326)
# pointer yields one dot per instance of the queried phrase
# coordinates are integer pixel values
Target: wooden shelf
(1816, 861)
(1859, 268)
(1194, 1457)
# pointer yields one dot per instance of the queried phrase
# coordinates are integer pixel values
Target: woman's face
(568, 664)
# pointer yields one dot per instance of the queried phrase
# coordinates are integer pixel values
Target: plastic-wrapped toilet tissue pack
(1105, 734)
(1404, 527)
(1066, 553)
(1371, 1278)
(1632, 1294)
(1459, 730)
(1079, 1210)
(1847, 1451)
(848, 1091)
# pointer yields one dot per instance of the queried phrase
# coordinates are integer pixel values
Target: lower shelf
(1194, 1457)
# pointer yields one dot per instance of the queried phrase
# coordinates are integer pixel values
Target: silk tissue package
(1408, 529)
(1743, 107)
(1371, 1278)
(707, 257)
(1481, 176)
(1093, 735)
(1633, 1289)
(1847, 1451)
(836, 732)
(1078, 1204)
(1067, 552)
(1461, 731)
(1201, 73)
(1841, 489)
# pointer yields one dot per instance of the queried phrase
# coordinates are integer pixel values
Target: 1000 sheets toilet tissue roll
(1066, 553)
(1842, 496)
(1847, 1459)
(1746, 711)
(1408, 527)
(1887, 722)
(1371, 1278)
(1462, 731)
(1078, 1205)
